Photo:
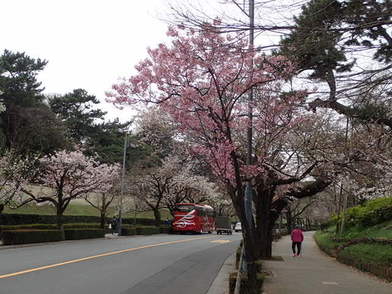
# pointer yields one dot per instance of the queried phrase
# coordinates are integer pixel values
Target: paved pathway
(315, 272)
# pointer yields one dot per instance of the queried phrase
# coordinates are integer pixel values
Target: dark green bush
(147, 230)
(128, 231)
(165, 229)
(29, 226)
(141, 221)
(18, 219)
(30, 236)
(48, 226)
(78, 234)
(371, 213)
(82, 226)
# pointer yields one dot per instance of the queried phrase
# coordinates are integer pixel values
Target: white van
(237, 227)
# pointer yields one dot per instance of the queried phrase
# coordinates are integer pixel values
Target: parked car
(237, 227)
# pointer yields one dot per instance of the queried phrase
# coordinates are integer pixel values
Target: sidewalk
(315, 272)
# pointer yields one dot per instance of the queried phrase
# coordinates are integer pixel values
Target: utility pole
(249, 160)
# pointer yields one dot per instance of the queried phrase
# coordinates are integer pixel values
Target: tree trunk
(289, 221)
(103, 217)
(253, 285)
(1, 207)
(264, 221)
(250, 246)
(266, 244)
(157, 215)
(60, 222)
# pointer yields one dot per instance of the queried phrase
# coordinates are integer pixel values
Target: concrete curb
(221, 283)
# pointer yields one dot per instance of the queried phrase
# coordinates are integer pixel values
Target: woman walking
(297, 237)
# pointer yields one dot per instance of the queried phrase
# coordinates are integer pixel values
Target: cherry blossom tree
(202, 80)
(172, 182)
(70, 175)
(14, 173)
(104, 199)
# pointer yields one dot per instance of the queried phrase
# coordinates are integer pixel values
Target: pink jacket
(297, 236)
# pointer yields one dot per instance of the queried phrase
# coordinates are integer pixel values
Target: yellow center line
(96, 256)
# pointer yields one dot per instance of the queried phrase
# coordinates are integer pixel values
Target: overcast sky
(89, 44)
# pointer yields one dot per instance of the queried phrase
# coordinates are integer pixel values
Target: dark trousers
(298, 245)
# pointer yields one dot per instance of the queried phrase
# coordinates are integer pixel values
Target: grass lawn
(363, 254)
(369, 253)
(383, 230)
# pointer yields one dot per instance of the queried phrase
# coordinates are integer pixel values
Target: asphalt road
(138, 264)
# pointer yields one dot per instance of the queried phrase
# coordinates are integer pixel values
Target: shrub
(147, 230)
(18, 219)
(28, 227)
(30, 236)
(48, 226)
(78, 234)
(327, 243)
(165, 229)
(141, 221)
(370, 213)
(128, 231)
(82, 225)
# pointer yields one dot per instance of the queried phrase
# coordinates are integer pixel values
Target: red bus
(191, 217)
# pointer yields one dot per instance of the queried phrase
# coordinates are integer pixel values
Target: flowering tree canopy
(202, 80)
(71, 174)
(13, 176)
(173, 182)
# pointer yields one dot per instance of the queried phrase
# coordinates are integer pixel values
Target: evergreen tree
(27, 125)
(326, 38)
(78, 112)
(19, 87)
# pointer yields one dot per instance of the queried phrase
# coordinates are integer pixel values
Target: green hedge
(128, 231)
(25, 236)
(141, 221)
(49, 226)
(147, 230)
(29, 227)
(30, 236)
(77, 234)
(143, 230)
(19, 219)
(165, 230)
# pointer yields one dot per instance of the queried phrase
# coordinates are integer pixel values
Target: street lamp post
(119, 225)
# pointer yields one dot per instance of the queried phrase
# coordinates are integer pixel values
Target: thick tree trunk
(157, 215)
(266, 244)
(60, 221)
(250, 246)
(251, 252)
(264, 221)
